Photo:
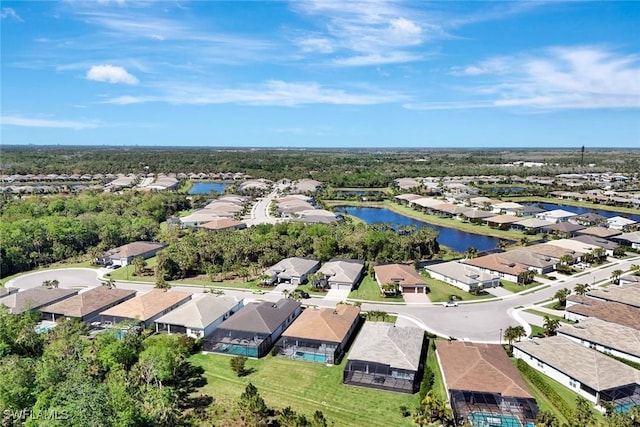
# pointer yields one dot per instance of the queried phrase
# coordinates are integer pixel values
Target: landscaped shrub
(427, 382)
(541, 384)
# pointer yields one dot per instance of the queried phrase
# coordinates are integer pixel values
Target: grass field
(551, 316)
(438, 382)
(306, 387)
(369, 290)
(441, 292)
(515, 288)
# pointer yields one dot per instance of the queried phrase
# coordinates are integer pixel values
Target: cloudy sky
(321, 73)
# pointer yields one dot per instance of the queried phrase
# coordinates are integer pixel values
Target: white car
(450, 304)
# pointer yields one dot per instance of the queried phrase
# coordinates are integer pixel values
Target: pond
(456, 240)
(580, 210)
(209, 187)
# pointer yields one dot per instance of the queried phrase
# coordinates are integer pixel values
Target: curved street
(482, 321)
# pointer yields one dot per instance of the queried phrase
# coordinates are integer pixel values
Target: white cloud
(272, 93)
(377, 59)
(8, 12)
(46, 123)
(582, 77)
(316, 44)
(111, 74)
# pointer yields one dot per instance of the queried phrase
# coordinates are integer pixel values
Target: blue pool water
(44, 328)
(457, 240)
(311, 357)
(483, 419)
(241, 350)
(209, 187)
(624, 408)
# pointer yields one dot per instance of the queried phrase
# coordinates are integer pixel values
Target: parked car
(450, 304)
(258, 292)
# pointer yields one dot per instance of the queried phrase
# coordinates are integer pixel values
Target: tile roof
(89, 301)
(264, 317)
(200, 312)
(461, 272)
(342, 270)
(222, 224)
(497, 263)
(529, 258)
(550, 250)
(148, 304)
(629, 295)
(504, 219)
(481, 368)
(385, 343)
(599, 232)
(324, 324)
(405, 275)
(133, 249)
(607, 334)
(590, 367)
(615, 312)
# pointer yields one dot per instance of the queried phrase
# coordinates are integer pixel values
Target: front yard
(306, 387)
(442, 292)
(369, 290)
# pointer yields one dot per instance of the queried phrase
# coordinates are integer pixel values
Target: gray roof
(90, 301)
(133, 249)
(590, 367)
(385, 343)
(342, 270)
(597, 241)
(35, 298)
(531, 259)
(633, 237)
(294, 267)
(629, 295)
(460, 272)
(533, 223)
(608, 334)
(200, 312)
(264, 317)
(6, 291)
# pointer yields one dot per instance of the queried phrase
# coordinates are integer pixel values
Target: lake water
(457, 240)
(209, 187)
(580, 210)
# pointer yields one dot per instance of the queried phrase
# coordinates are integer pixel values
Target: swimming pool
(311, 357)
(624, 407)
(486, 419)
(240, 350)
(44, 328)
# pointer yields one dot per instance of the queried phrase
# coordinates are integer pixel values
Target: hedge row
(541, 384)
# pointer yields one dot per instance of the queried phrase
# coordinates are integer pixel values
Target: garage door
(420, 290)
(409, 290)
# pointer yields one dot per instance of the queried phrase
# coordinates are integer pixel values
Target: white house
(587, 372)
(606, 337)
(462, 276)
(200, 316)
(620, 222)
(556, 215)
(293, 270)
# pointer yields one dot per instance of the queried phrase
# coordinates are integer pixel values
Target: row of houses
(220, 214)
(298, 207)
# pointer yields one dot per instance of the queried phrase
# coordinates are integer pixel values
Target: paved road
(481, 322)
(260, 211)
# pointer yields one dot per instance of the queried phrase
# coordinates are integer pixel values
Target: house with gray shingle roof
(293, 270)
(200, 316)
(87, 305)
(124, 255)
(386, 356)
(34, 298)
(341, 273)
(589, 373)
(254, 329)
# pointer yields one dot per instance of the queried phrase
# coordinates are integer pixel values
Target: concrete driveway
(338, 294)
(67, 278)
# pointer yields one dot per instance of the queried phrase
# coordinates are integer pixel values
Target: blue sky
(321, 73)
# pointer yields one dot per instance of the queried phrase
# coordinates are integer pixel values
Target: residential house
(405, 276)
(320, 334)
(199, 317)
(388, 357)
(589, 373)
(480, 379)
(556, 215)
(125, 254)
(528, 210)
(219, 224)
(462, 276)
(495, 264)
(7, 291)
(580, 307)
(533, 225)
(341, 273)
(541, 264)
(629, 239)
(589, 219)
(254, 329)
(621, 223)
(564, 229)
(502, 221)
(293, 270)
(605, 244)
(629, 295)
(145, 308)
(553, 251)
(602, 232)
(573, 245)
(86, 306)
(507, 208)
(34, 298)
(629, 279)
(606, 337)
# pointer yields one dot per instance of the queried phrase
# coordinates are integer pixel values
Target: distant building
(124, 255)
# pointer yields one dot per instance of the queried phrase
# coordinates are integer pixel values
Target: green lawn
(515, 288)
(311, 290)
(441, 292)
(369, 290)
(438, 382)
(306, 387)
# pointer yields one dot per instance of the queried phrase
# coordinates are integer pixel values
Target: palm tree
(161, 283)
(109, 283)
(581, 288)
(550, 326)
(471, 252)
(615, 276)
(561, 295)
(513, 333)
(566, 259)
(526, 277)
